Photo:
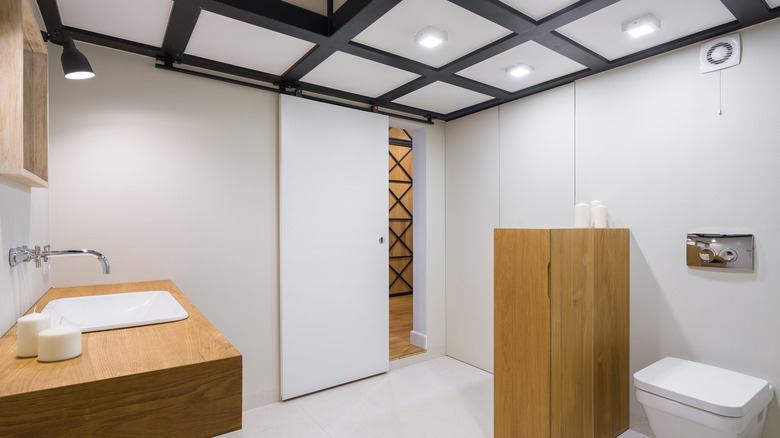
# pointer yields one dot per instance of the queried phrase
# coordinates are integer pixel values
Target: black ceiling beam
(325, 91)
(229, 69)
(274, 15)
(50, 13)
(100, 39)
(499, 13)
(524, 30)
(354, 16)
(347, 22)
(572, 50)
(447, 73)
(644, 54)
(746, 11)
(181, 23)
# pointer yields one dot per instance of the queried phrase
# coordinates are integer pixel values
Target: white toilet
(684, 399)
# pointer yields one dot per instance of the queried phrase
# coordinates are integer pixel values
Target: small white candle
(600, 219)
(581, 215)
(59, 343)
(27, 329)
(593, 205)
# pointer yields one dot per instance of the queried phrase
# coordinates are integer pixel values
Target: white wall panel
(172, 177)
(24, 220)
(537, 151)
(651, 145)
(472, 214)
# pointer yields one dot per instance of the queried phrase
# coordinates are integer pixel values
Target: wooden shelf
(177, 379)
(24, 119)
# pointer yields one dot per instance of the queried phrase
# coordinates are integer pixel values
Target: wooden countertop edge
(156, 347)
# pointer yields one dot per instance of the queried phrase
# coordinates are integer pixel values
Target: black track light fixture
(74, 63)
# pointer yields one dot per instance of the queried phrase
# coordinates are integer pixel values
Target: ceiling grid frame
(336, 33)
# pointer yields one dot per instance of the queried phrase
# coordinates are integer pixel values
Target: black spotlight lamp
(74, 63)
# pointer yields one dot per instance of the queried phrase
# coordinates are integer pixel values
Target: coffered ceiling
(363, 53)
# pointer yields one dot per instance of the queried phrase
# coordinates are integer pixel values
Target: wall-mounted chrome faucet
(23, 254)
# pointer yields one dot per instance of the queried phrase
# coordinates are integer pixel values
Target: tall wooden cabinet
(561, 333)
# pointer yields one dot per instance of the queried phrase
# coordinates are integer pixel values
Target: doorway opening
(401, 253)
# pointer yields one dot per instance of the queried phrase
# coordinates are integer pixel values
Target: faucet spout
(24, 254)
(46, 253)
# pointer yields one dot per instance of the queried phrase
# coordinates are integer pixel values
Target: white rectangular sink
(106, 312)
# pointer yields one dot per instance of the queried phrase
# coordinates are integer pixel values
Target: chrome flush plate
(722, 251)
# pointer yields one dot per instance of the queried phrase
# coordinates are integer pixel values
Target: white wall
(538, 158)
(172, 177)
(502, 171)
(24, 220)
(175, 177)
(472, 214)
(649, 143)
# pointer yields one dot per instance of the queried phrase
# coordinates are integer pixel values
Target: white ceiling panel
(394, 32)
(441, 97)
(601, 31)
(357, 75)
(143, 21)
(538, 9)
(547, 65)
(237, 43)
(773, 3)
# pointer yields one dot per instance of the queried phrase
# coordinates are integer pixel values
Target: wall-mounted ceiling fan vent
(720, 53)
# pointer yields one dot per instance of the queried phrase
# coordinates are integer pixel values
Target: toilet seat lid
(706, 387)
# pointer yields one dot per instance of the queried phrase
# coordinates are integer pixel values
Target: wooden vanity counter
(176, 379)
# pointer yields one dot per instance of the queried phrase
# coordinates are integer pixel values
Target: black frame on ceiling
(335, 32)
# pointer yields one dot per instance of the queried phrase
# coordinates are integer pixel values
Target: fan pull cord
(720, 92)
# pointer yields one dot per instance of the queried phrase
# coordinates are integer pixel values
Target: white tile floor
(438, 398)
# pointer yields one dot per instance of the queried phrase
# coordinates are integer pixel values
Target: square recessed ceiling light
(519, 70)
(642, 26)
(430, 37)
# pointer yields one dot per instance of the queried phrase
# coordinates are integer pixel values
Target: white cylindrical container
(599, 216)
(593, 205)
(581, 215)
(27, 329)
(59, 343)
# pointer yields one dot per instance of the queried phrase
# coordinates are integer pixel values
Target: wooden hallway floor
(401, 325)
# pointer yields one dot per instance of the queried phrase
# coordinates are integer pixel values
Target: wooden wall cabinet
(561, 333)
(24, 123)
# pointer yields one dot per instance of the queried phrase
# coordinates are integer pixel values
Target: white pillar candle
(581, 215)
(600, 219)
(593, 205)
(27, 329)
(59, 343)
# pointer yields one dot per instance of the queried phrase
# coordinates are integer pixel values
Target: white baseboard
(417, 358)
(418, 339)
(261, 398)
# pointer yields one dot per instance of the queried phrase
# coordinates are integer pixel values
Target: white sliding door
(333, 223)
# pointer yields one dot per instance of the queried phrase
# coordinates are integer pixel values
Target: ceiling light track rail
(288, 89)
